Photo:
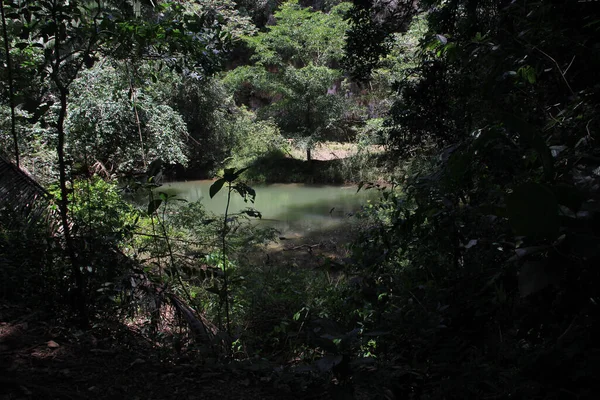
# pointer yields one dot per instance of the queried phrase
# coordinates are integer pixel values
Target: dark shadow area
(43, 359)
(290, 170)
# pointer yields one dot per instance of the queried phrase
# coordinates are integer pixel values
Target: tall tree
(11, 89)
(72, 35)
(296, 71)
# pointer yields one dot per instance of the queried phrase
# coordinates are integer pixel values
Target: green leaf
(215, 187)
(327, 363)
(229, 174)
(534, 277)
(360, 185)
(532, 210)
(527, 73)
(153, 206)
(238, 173)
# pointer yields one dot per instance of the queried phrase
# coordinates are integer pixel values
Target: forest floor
(44, 360)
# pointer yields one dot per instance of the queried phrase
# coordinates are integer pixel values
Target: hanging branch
(11, 88)
(560, 71)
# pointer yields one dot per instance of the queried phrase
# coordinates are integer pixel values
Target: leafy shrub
(253, 141)
(103, 125)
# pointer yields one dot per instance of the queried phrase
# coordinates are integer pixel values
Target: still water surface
(294, 209)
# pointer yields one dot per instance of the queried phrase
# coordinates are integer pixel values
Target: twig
(562, 74)
(571, 63)
(307, 246)
(587, 128)
(566, 332)
(417, 299)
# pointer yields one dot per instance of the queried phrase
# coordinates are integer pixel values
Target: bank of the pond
(331, 163)
(348, 168)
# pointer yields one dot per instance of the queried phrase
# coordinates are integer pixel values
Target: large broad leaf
(241, 171)
(534, 277)
(532, 210)
(245, 191)
(229, 174)
(216, 186)
(153, 206)
(252, 213)
(327, 363)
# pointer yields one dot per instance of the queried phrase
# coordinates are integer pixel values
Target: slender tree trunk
(309, 129)
(11, 88)
(79, 300)
(225, 272)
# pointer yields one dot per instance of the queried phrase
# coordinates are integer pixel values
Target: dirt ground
(42, 360)
(325, 249)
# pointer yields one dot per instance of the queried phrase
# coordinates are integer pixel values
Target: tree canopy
(296, 71)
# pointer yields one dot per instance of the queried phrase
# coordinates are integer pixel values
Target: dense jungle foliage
(474, 276)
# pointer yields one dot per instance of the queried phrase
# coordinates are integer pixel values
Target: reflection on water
(291, 208)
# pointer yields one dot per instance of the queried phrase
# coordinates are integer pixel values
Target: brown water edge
(328, 247)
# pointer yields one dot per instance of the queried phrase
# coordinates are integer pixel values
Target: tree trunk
(308, 155)
(11, 88)
(79, 298)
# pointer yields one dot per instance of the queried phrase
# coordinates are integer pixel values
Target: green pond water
(293, 209)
